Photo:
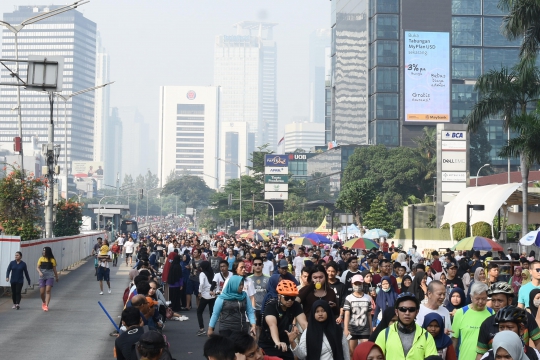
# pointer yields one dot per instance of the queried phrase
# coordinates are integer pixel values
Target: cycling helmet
(287, 288)
(511, 314)
(406, 296)
(500, 288)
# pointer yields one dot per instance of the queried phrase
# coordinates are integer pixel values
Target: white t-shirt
(268, 267)
(170, 248)
(129, 247)
(120, 240)
(220, 281)
(103, 262)
(298, 264)
(445, 314)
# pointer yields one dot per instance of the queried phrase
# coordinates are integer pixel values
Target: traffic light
(141, 193)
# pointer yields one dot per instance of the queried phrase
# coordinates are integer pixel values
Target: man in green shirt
(467, 322)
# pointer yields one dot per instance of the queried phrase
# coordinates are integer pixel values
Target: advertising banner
(276, 160)
(276, 170)
(427, 77)
(454, 161)
(276, 179)
(454, 176)
(87, 169)
(276, 187)
(275, 195)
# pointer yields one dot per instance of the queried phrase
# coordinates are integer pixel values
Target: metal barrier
(67, 251)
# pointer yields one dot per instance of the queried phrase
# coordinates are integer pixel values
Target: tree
(479, 151)
(356, 197)
(191, 189)
(68, 218)
(20, 204)
(509, 92)
(427, 145)
(523, 20)
(128, 180)
(172, 176)
(378, 217)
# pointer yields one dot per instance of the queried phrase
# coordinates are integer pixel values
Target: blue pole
(109, 316)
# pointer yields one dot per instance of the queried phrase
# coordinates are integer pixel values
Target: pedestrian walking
(46, 267)
(206, 297)
(104, 271)
(129, 247)
(18, 271)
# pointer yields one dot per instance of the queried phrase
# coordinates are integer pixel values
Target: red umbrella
(221, 233)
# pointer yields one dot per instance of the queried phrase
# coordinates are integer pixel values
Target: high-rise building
(236, 144)
(303, 136)
(113, 148)
(72, 36)
(137, 144)
(245, 67)
(188, 132)
(319, 43)
(102, 100)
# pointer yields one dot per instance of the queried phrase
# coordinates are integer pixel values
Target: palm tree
(427, 145)
(523, 20)
(508, 93)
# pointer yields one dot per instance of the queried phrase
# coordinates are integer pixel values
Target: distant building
(102, 100)
(188, 133)
(236, 144)
(319, 49)
(72, 36)
(245, 67)
(113, 147)
(303, 136)
(137, 143)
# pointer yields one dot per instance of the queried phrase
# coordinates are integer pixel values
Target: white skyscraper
(303, 136)
(73, 37)
(188, 132)
(137, 144)
(319, 45)
(102, 100)
(245, 69)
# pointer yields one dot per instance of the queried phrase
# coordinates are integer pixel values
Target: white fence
(67, 251)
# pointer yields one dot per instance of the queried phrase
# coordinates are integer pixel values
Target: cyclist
(502, 294)
(513, 319)
(404, 339)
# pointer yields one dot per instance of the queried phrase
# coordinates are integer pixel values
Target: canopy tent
(322, 228)
(350, 230)
(493, 197)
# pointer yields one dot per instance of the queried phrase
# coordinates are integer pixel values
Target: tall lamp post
(478, 172)
(413, 208)
(66, 99)
(15, 29)
(240, 179)
(469, 208)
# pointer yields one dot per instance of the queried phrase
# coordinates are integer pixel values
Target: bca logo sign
(191, 95)
(454, 135)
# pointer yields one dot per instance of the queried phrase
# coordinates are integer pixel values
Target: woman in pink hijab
(516, 279)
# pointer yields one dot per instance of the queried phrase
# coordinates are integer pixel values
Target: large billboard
(87, 169)
(427, 77)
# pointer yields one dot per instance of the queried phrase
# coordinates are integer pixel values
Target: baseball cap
(357, 278)
(452, 264)
(283, 263)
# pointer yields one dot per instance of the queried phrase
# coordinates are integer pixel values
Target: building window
(466, 30)
(190, 109)
(491, 7)
(493, 33)
(387, 27)
(466, 7)
(495, 58)
(384, 7)
(386, 79)
(388, 132)
(466, 63)
(385, 53)
(386, 106)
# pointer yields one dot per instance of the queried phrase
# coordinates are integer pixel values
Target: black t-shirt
(488, 330)
(455, 281)
(125, 343)
(284, 321)
(341, 292)
(347, 283)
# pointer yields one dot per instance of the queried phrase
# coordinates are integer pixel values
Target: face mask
(386, 290)
(357, 288)
(536, 303)
(318, 286)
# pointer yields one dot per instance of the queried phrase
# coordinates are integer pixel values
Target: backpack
(165, 355)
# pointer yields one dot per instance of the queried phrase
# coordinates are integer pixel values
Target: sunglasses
(257, 264)
(537, 270)
(289, 298)
(404, 309)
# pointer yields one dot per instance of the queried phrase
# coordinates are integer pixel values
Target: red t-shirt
(384, 246)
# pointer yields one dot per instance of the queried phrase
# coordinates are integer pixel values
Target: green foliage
(523, 21)
(458, 230)
(356, 197)
(191, 189)
(427, 145)
(20, 204)
(481, 229)
(479, 151)
(378, 217)
(68, 218)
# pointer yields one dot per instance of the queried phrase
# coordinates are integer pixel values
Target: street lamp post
(147, 192)
(478, 172)
(66, 99)
(15, 29)
(469, 208)
(240, 170)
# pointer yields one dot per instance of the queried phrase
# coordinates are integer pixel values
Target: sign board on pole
(276, 187)
(276, 195)
(276, 179)
(276, 170)
(276, 160)
(189, 211)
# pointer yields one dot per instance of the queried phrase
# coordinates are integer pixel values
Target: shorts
(192, 287)
(103, 274)
(258, 318)
(359, 337)
(128, 255)
(46, 282)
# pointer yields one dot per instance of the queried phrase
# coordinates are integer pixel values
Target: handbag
(169, 313)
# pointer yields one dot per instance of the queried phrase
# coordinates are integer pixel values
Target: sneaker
(101, 293)
(168, 303)
(201, 332)
(18, 307)
(14, 306)
(183, 318)
(45, 307)
(176, 318)
(109, 290)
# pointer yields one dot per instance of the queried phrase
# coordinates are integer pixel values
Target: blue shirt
(18, 271)
(524, 291)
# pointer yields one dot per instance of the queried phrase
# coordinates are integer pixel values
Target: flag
(280, 141)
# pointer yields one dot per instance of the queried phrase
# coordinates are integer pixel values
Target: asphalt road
(76, 326)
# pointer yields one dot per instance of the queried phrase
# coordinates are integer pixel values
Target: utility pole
(51, 169)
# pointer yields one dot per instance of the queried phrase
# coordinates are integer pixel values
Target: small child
(357, 307)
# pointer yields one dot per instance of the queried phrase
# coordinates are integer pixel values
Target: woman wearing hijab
(176, 282)
(385, 298)
(479, 275)
(368, 350)
(231, 307)
(418, 286)
(532, 256)
(388, 318)
(402, 259)
(516, 279)
(406, 283)
(506, 345)
(186, 259)
(534, 303)
(456, 300)
(526, 277)
(323, 339)
(434, 325)
(369, 289)
(205, 283)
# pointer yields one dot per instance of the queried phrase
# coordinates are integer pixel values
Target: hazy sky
(171, 42)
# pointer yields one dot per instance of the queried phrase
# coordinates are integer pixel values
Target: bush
(68, 218)
(458, 230)
(482, 229)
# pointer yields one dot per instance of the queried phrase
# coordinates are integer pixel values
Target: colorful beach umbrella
(360, 243)
(303, 241)
(221, 233)
(254, 235)
(319, 239)
(278, 232)
(375, 234)
(265, 232)
(477, 243)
